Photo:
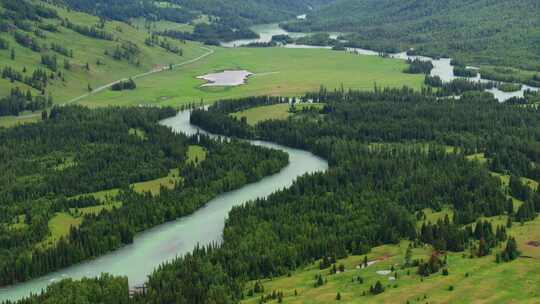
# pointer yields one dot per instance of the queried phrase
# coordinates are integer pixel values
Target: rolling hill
(50, 52)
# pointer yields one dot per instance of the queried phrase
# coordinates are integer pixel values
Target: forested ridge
(481, 32)
(392, 153)
(52, 168)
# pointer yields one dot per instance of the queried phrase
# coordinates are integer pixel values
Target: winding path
(154, 71)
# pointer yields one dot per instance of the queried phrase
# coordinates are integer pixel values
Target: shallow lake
(163, 243)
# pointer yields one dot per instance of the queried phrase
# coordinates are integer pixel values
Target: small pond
(226, 78)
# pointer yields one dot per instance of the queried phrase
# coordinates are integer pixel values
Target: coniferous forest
(392, 153)
(53, 167)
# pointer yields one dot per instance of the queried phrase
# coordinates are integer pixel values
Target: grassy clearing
(478, 280)
(138, 132)
(59, 227)
(479, 157)
(196, 154)
(278, 111)
(13, 121)
(278, 71)
(95, 209)
(505, 180)
(154, 186)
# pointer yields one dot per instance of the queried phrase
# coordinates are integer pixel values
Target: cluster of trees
(105, 289)
(164, 43)
(51, 62)
(510, 252)
(124, 85)
(318, 39)
(89, 31)
(418, 66)
(127, 50)
(38, 80)
(25, 10)
(451, 236)
(460, 71)
(510, 75)
(27, 41)
(457, 86)
(282, 39)
(211, 33)
(62, 50)
(92, 150)
(18, 101)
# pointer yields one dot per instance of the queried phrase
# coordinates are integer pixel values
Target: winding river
(165, 242)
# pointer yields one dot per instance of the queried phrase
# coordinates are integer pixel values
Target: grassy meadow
(278, 71)
(470, 280)
(277, 111)
(13, 121)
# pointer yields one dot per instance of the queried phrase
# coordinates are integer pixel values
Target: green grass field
(59, 226)
(278, 71)
(278, 111)
(13, 121)
(477, 280)
(196, 154)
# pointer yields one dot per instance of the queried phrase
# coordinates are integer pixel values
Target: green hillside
(49, 50)
(479, 31)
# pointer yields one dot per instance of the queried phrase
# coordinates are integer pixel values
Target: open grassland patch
(278, 111)
(59, 226)
(196, 154)
(13, 121)
(300, 70)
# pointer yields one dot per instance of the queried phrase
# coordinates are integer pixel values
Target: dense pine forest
(481, 32)
(52, 169)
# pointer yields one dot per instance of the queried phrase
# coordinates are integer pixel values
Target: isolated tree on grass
(377, 289)
(511, 251)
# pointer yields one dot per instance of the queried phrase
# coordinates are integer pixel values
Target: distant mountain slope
(480, 31)
(232, 11)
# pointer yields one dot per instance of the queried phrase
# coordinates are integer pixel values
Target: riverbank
(165, 242)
